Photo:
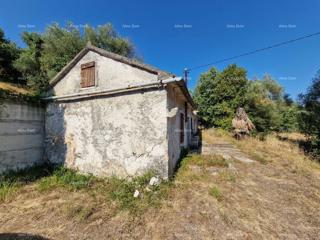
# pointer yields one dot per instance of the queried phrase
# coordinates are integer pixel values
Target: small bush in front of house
(65, 178)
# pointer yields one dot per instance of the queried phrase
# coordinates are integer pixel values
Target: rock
(136, 193)
(154, 181)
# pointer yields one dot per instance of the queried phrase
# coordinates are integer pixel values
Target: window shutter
(87, 75)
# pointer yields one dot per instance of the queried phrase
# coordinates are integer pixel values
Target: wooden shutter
(181, 128)
(88, 75)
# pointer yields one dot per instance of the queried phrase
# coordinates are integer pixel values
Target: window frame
(87, 67)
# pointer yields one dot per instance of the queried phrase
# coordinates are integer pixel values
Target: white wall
(123, 135)
(110, 74)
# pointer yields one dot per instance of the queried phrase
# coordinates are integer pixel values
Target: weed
(11, 181)
(7, 190)
(65, 178)
(121, 191)
(215, 192)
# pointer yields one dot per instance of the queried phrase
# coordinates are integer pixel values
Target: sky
(173, 35)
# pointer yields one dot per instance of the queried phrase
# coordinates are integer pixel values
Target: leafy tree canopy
(219, 94)
(309, 120)
(9, 52)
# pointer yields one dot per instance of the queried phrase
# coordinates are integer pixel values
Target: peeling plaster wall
(21, 135)
(123, 135)
(176, 100)
(110, 74)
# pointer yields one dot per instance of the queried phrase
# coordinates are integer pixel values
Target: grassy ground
(277, 197)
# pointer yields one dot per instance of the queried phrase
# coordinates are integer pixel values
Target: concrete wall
(123, 135)
(21, 135)
(175, 106)
(110, 74)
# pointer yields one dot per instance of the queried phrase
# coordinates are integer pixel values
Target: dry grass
(282, 148)
(14, 88)
(278, 200)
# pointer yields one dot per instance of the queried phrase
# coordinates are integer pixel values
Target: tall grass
(65, 178)
(11, 181)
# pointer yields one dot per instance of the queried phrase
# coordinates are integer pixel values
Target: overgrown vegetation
(219, 94)
(9, 52)
(309, 119)
(11, 181)
(122, 191)
(65, 178)
(112, 189)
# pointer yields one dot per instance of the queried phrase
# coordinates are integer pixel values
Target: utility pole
(186, 71)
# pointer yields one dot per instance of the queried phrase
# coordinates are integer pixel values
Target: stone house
(110, 115)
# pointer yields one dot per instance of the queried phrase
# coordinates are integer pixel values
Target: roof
(161, 74)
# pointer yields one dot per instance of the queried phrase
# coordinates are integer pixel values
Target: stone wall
(121, 135)
(21, 135)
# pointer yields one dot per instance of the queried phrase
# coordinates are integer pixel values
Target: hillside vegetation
(275, 197)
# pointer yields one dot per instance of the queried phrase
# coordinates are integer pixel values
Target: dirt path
(258, 201)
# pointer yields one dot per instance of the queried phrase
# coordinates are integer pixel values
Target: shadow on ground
(21, 236)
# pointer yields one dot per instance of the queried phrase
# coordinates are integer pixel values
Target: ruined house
(110, 115)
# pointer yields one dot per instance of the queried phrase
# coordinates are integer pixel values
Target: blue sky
(173, 35)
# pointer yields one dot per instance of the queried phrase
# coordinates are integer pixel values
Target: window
(88, 75)
(181, 128)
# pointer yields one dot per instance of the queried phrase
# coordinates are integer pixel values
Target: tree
(261, 104)
(309, 118)
(9, 52)
(29, 61)
(219, 94)
(270, 108)
(46, 54)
